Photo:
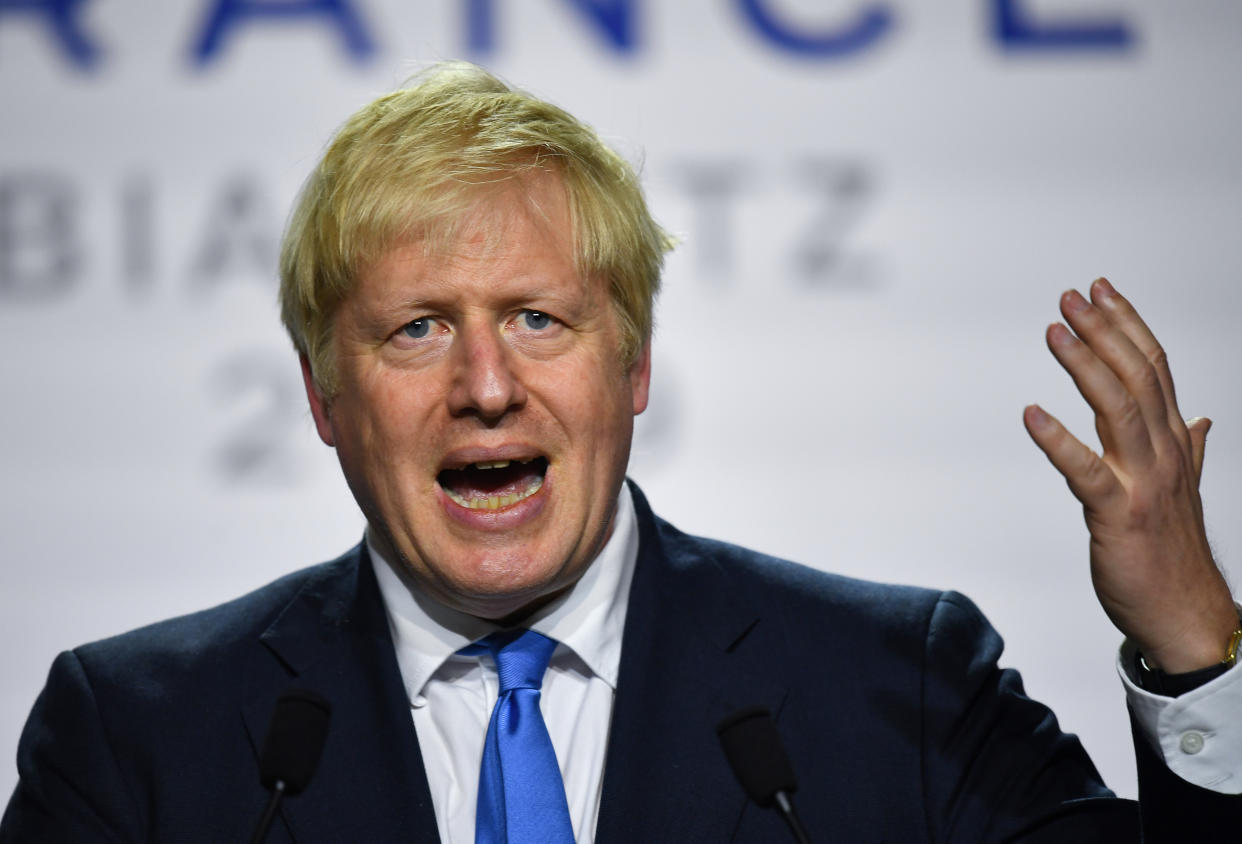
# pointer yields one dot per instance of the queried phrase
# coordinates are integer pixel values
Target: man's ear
(640, 377)
(318, 403)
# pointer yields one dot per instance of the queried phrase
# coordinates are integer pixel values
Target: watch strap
(1172, 685)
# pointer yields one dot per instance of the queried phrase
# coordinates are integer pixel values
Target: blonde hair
(410, 165)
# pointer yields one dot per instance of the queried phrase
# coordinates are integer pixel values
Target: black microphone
(758, 759)
(291, 749)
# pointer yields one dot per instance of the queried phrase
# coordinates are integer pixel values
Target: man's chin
(504, 606)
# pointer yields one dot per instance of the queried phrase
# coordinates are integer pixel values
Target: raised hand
(1150, 561)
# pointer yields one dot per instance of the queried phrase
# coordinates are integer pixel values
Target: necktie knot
(521, 658)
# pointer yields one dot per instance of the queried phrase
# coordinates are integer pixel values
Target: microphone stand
(785, 806)
(269, 813)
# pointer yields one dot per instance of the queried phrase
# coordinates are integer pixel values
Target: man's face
(483, 418)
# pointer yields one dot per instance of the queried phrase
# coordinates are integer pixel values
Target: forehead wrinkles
(525, 212)
(534, 204)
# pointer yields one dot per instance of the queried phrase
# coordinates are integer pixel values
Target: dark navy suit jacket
(899, 724)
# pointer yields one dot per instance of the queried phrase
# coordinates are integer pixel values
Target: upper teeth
(495, 464)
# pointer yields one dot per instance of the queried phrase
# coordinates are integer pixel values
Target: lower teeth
(495, 502)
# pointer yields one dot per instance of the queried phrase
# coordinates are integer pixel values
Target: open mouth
(493, 485)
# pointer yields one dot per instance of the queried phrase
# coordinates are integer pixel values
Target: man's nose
(484, 381)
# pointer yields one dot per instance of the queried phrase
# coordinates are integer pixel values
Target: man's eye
(418, 329)
(535, 320)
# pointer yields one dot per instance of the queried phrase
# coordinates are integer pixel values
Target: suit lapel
(370, 785)
(666, 778)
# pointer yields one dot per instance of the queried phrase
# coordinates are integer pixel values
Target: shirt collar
(588, 618)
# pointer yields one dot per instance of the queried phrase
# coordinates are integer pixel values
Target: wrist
(1201, 644)
(1173, 683)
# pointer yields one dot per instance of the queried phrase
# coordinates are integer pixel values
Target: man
(468, 278)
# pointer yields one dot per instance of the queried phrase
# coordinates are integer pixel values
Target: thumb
(1198, 427)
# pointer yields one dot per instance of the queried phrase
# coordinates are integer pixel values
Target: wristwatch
(1171, 685)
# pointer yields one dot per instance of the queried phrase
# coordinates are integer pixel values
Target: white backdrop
(876, 229)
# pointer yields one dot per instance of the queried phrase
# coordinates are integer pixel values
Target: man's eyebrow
(378, 320)
(401, 304)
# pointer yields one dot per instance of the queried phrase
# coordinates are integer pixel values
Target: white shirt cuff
(1198, 734)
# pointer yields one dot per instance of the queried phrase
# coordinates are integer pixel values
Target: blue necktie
(521, 795)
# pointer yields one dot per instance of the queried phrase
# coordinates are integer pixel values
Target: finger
(1123, 357)
(1118, 310)
(1091, 480)
(1118, 416)
(1197, 429)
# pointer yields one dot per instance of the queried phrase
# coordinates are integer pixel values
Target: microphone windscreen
(294, 740)
(755, 753)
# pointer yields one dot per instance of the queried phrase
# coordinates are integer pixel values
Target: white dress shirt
(452, 696)
(1198, 735)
